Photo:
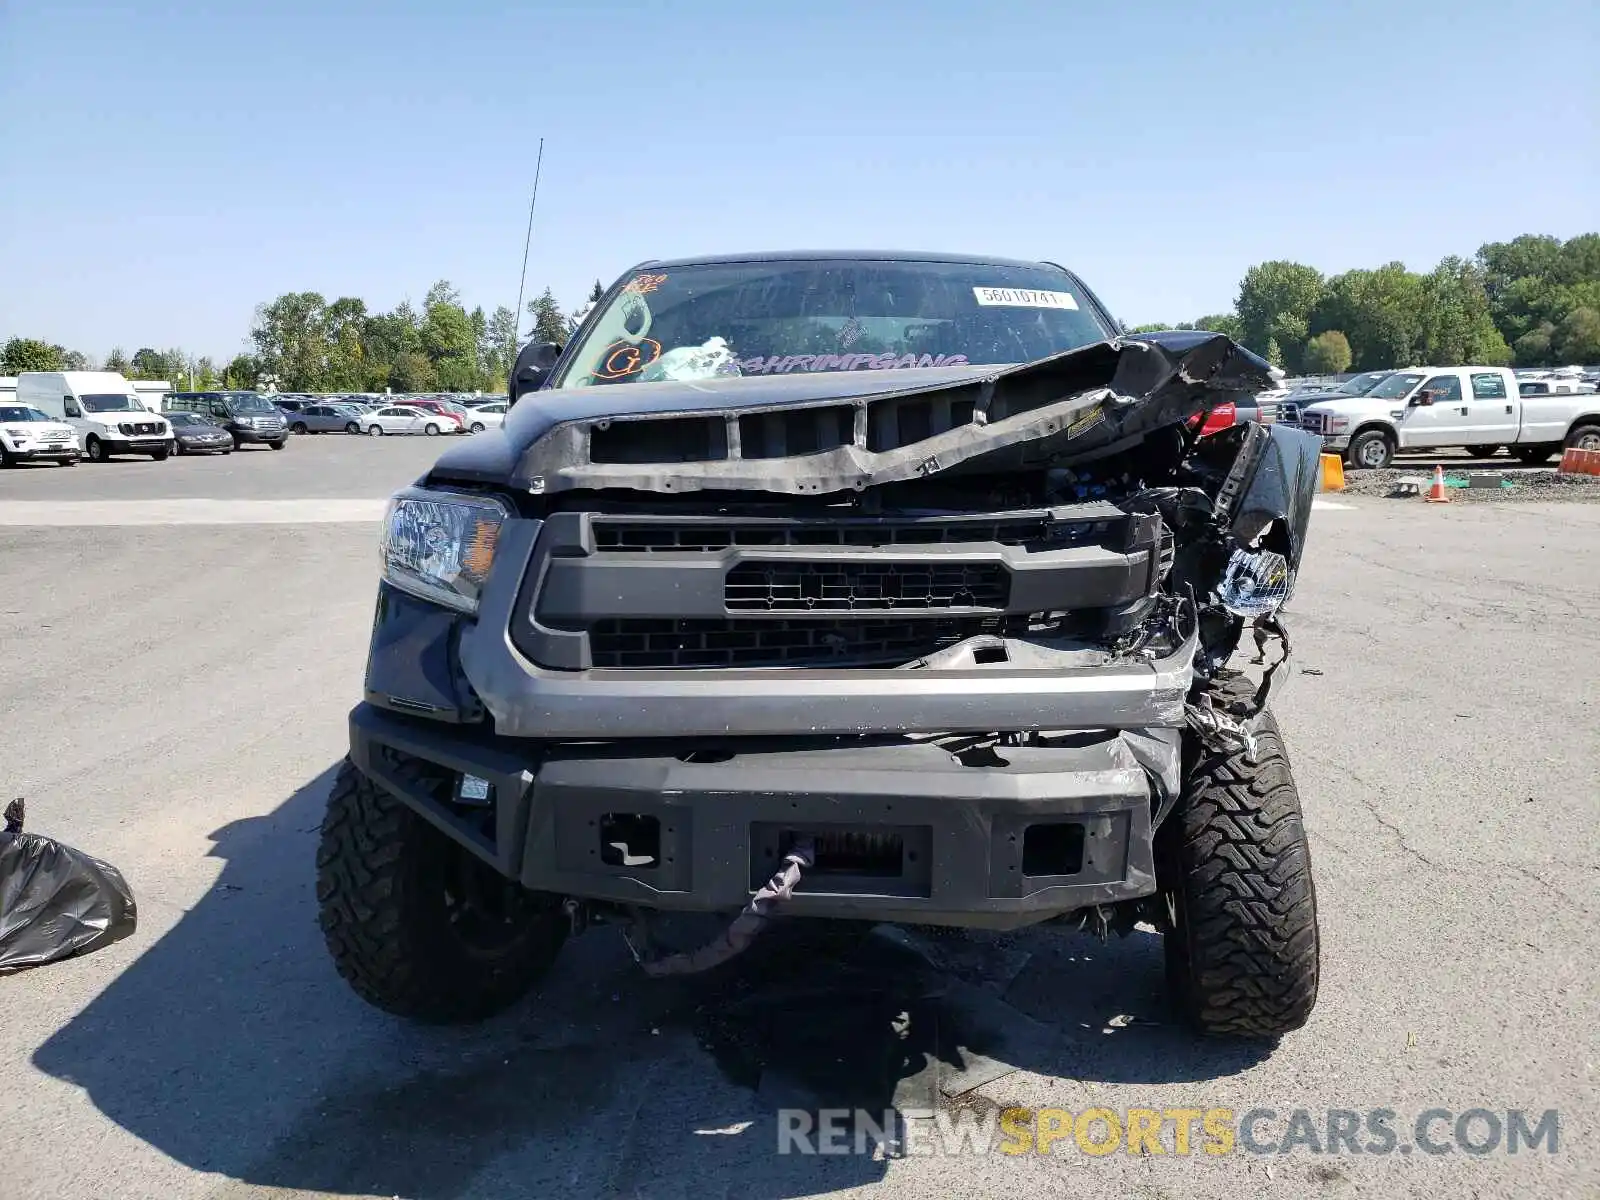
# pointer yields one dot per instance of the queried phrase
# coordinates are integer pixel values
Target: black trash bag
(56, 902)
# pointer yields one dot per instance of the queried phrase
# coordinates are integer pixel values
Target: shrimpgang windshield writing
(782, 364)
(784, 316)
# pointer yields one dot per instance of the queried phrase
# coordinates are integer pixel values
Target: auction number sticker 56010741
(1023, 298)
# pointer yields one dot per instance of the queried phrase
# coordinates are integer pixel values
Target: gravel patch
(1524, 484)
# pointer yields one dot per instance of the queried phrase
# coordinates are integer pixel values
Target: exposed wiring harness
(737, 937)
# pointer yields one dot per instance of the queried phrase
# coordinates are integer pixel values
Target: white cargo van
(104, 409)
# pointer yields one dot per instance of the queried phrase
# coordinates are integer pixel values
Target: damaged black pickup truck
(867, 586)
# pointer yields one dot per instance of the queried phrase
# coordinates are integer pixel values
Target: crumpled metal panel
(1281, 487)
(1073, 407)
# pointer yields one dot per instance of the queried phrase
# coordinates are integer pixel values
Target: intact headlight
(1338, 424)
(17, 433)
(440, 547)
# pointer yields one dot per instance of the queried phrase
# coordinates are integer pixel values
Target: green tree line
(1534, 301)
(305, 343)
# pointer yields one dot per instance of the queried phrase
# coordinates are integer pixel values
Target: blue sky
(167, 166)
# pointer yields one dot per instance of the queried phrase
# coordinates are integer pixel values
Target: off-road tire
(1357, 456)
(1532, 456)
(1242, 948)
(1483, 451)
(382, 879)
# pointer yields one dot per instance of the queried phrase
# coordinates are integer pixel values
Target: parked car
(1292, 405)
(406, 418)
(439, 407)
(28, 435)
(249, 417)
(327, 418)
(195, 434)
(102, 407)
(487, 416)
(1428, 408)
(883, 672)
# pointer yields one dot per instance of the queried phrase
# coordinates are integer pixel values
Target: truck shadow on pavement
(232, 1047)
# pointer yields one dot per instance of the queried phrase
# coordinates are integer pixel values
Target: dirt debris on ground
(1517, 483)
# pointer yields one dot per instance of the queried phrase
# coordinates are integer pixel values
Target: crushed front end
(954, 639)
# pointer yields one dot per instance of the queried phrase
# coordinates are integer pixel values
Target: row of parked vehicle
(65, 416)
(430, 416)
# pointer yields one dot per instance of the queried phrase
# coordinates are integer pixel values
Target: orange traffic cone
(1438, 493)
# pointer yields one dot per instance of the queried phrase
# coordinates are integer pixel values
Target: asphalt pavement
(173, 698)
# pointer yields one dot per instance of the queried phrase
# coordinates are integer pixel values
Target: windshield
(1360, 385)
(783, 316)
(248, 402)
(14, 413)
(183, 418)
(1395, 386)
(108, 402)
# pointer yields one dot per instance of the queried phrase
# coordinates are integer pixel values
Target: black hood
(816, 433)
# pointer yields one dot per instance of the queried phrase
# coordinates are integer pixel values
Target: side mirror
(72, 410)
(533, 367)
(1422, 400)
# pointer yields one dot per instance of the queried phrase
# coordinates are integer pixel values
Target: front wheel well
(1388, 432)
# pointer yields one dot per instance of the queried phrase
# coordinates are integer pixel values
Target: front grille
(864, 586)
(134, 428)
(640, 644)
(666, 537)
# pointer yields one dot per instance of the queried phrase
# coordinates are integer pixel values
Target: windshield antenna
(538, 165)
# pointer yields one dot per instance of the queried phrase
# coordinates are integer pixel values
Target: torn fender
(846, 435)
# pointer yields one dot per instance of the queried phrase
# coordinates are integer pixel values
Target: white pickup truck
(1430, 408)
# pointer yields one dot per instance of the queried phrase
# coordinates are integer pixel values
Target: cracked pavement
(1448, 756)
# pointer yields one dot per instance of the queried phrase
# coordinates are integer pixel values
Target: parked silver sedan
(327, 418)
(486, 416)
(398, 419)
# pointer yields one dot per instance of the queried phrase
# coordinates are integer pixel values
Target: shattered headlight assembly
(439, 546)
(1255, 584)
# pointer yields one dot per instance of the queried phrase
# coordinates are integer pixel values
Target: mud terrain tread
(1248, 955)
(384, 925)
